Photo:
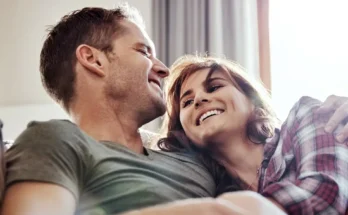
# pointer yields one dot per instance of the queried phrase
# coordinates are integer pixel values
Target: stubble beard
(155, 108)
(145, 106)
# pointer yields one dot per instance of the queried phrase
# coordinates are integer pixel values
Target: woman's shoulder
(305, 105)
(304, 108)
(303, 117)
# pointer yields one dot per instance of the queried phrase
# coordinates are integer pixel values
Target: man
(101, 66)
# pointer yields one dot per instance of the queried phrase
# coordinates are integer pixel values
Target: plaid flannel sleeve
(321, 165)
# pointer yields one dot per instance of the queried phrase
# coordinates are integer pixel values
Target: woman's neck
(242, 158)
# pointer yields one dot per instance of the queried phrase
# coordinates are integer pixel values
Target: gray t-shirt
(104, 177)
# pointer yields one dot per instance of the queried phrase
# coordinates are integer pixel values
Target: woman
(216, 110)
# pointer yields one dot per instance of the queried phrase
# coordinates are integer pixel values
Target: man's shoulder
(52, 132)
(53, 125)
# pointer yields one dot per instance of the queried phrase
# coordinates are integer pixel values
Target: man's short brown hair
(92, 26)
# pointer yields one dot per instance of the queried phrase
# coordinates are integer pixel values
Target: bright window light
(309, 50)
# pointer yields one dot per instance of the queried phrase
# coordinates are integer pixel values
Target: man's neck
(104, 123)
(242, 157)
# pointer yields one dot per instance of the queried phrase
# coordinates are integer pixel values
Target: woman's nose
(200, 100)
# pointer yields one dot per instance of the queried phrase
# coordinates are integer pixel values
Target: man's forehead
(139, 34)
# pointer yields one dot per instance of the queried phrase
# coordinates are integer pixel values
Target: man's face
(136, 75)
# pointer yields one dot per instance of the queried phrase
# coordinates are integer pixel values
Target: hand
(253, 203)
(202, 206)
(338, 104)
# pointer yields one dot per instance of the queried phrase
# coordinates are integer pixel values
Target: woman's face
(212, 109)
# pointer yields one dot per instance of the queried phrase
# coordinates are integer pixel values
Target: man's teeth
(208, 114)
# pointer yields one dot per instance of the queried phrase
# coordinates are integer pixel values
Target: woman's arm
(318, 183)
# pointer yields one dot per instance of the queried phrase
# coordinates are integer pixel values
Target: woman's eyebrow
(186, 93)
(209, 80)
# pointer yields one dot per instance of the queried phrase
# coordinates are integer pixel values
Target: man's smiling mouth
(156, 84)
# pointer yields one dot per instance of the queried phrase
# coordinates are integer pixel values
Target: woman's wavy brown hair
(261, 124)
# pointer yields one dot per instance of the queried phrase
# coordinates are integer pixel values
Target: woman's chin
(211, 136)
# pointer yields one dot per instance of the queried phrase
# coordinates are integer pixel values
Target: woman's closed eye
(213, 88)
(187, 102)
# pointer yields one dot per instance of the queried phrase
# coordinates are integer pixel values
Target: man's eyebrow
(188, 92)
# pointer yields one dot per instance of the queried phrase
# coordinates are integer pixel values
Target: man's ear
(92, 59)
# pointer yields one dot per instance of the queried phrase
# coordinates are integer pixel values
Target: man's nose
(160, 69)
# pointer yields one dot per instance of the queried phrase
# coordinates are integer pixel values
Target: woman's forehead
(203, 75)
(198, 75)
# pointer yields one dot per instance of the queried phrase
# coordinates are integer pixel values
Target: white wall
(23, 27)
(16, 117)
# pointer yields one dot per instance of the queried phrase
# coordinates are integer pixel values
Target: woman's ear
(92, 59)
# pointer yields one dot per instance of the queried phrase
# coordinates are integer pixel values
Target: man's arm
(26, 198)
(202, 206)
(233, 203)
(253, 203)
(45, 170)
(48, 199)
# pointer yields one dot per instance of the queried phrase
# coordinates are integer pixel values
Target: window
(309, 50)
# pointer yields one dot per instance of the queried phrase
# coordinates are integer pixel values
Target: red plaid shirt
(305, 170)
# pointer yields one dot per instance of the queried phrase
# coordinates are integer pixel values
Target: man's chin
(161, 109)
(160, 105)
(156, 109)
